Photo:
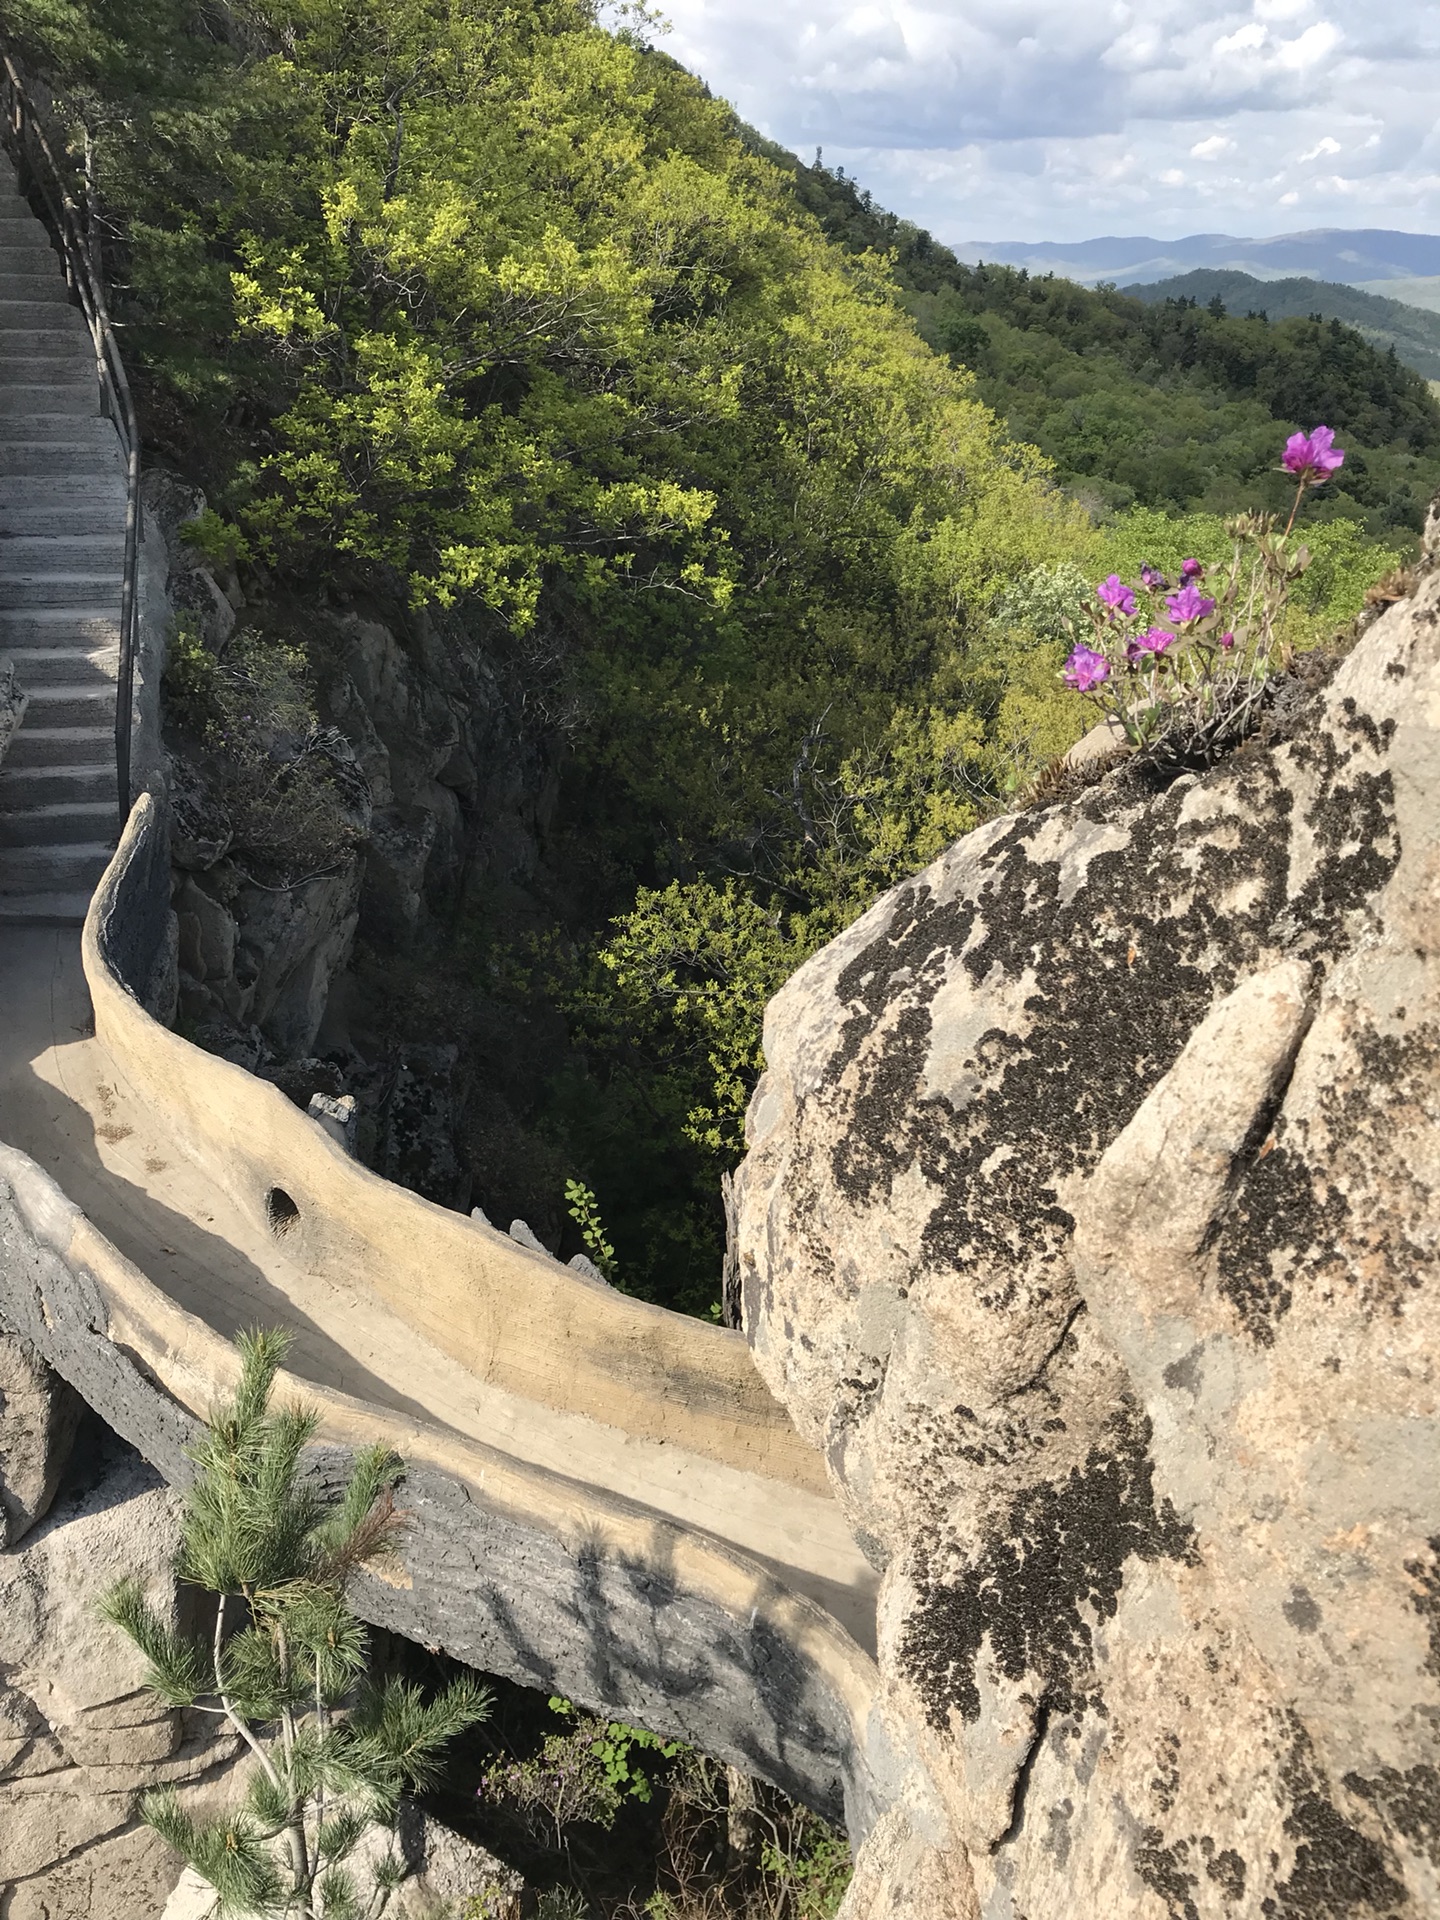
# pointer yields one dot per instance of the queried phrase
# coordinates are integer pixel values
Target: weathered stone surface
(127, 1875)
(38, 1417)
(1090, 1226)
(78, 1732)
(13, 703)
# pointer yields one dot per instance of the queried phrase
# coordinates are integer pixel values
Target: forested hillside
(483, 316)
(1169, 405)
(1412, 331)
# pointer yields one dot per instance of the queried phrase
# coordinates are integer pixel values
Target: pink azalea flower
(1155, 641)
(1086, 669)
(1116, 595)
(1191, 570)
(1189, 604)
(1152, 579)
(1313, 456)
(1227, 640)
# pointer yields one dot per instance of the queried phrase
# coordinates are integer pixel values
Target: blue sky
(1062, 119)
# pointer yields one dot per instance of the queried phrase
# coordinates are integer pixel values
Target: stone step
(71, 518)
(33, 747)
(30, 459)
(57, 909)
(71, 703)
(76, 822)
(19, 590)
(41, 428)
(27, 254)
(79, 397)
(23, 314)
(62, 365)
(48, 287)
(57, 869)
(49, 786)
(92, 628)
(16, 342)
(38, 668)
(29, 553)
(59, 489)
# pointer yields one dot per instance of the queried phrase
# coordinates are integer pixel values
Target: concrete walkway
(64, 1102)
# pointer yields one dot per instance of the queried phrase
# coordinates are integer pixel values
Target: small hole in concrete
(280, 1210)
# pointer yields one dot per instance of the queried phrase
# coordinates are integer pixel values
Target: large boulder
(1089, 1225)
(38, 1417)
(79, 1733)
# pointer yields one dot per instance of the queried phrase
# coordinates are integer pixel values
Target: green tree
(282, 1663)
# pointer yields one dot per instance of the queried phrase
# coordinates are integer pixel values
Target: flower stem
(1299, 496)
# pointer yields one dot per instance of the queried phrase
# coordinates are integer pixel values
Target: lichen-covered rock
(1090, 1227)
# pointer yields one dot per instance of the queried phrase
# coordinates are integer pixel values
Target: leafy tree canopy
(473, 306)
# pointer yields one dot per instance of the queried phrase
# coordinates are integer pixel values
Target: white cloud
(1289, 199)
(1243, 39)
(1317, 43)
(1041, 118)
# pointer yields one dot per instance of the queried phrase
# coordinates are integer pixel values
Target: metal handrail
(24, 135)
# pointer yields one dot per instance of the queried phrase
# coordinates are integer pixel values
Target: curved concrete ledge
(511, 1317)
(604, 1499)
(515, 1570)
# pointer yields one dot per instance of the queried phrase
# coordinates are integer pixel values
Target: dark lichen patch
(1165, 1871)
(1054, 1561)
(1283, 1214)
(1301, 1611)
(1117, 976)
(1226, 1868)
(1327, 1210)
(1426, 1599)
(1338, 1872)
(1165, 1785)
(1409, 1802)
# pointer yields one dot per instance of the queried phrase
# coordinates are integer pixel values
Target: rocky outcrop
(1089, 1225)
(38, 1417)
(13, 703)
(78, 1732)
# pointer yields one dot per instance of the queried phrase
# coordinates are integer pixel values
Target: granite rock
(38, 1417)
(1089, 1226)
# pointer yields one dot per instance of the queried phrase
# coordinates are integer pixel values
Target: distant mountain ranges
(1383, 283)
(1357, 257)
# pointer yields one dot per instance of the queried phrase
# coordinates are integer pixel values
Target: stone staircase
(62, 542)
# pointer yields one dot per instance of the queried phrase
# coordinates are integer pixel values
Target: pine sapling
(283, 1663)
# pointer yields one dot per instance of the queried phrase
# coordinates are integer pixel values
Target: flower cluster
(1179, 668)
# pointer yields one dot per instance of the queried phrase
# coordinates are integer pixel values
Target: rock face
(78, 1734)
(1090, 1226)
(38, 1417)
(12, 706)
